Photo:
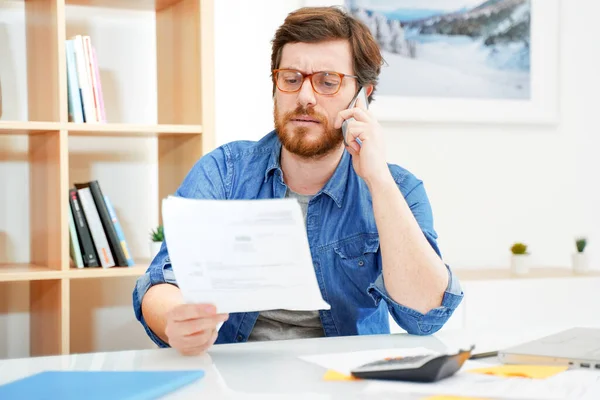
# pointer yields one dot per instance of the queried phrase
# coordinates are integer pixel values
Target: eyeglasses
(323, 82)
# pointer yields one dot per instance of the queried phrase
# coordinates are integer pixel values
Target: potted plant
(519, 260)
(579, 258)
(157, 237)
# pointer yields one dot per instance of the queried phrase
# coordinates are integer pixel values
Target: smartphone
(362, 93)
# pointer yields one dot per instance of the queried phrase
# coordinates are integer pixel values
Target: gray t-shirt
(285, 324)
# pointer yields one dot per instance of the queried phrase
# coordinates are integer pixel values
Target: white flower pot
(154, 249)
(580, 262)
(519, 264)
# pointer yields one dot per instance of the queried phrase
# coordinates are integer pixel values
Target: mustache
(302, 111)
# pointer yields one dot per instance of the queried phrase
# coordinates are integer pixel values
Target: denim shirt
(342, 235)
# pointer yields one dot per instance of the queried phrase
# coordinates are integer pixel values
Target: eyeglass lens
(323, 82)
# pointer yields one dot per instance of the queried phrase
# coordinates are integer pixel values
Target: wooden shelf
(125, 4)
(115, 272)
(184, 64)
(142, 5)
(131, 129)
(30, 272)
(485, 274)
(27, 128)
(110, 129)
(27, 272)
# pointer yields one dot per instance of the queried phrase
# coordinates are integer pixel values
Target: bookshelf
(184, 132)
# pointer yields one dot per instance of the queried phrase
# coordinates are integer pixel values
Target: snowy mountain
(487, 4)
(500, 27)
(499, 20)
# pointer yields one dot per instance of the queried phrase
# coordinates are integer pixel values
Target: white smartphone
(362, 93)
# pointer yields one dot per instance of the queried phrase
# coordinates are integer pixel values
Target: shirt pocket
(358, 259)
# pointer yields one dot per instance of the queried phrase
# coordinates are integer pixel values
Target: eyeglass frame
(310, 78)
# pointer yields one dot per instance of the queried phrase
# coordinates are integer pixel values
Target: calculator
(420, 368)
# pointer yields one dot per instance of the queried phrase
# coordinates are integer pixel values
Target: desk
(266, 370)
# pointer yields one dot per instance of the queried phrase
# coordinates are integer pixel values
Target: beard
(297, 141)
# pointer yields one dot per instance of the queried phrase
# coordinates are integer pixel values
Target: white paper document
(241, 255)
(568, 385)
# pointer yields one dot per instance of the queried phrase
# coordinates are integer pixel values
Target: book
(92, 385)
(74, 248)
(73, 88)
(84, 80)
(119, 230)
(116, 250)
(96, 227)
(86, 244)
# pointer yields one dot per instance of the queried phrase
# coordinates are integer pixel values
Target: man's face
(304, 119)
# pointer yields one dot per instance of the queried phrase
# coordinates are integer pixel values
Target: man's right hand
(192, 328)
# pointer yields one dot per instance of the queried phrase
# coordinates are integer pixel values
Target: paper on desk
(566, 385)
(343, 363)
(241, 255)
(569, 385)
(524, 371)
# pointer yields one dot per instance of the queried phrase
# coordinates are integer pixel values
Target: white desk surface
(267, 370)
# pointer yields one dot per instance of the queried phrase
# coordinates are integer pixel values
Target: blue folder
(114, 385)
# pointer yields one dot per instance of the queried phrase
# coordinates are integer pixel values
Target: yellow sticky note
(443, 397)
(332, 375)
(523, 371)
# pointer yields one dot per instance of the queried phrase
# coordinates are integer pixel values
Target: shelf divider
(46, 83)
(49, 317)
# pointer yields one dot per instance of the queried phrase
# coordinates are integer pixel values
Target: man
(369, 224)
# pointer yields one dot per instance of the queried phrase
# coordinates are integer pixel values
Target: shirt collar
(335, 186)
(273, 163)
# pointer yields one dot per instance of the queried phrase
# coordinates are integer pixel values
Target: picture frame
(541, 106)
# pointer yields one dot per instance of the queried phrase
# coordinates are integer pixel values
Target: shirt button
(361, 263)
(240, 338)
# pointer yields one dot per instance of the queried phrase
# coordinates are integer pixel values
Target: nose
(306, 95)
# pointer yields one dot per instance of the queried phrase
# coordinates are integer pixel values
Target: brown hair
(316, 24)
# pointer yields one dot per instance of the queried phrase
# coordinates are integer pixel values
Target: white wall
(489, 184)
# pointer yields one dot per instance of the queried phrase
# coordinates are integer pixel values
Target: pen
(483, 355)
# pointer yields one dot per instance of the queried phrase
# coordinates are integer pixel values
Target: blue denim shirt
(342, 235)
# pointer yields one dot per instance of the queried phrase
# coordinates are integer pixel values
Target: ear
(369, 90)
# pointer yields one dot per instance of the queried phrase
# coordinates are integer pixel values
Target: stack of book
(97, 238)
(86, 102)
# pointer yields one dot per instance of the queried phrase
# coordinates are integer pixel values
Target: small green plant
(519, 248)
(580, 243)
(157, 235)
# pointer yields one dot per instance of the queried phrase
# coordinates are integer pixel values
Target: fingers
(356, 130)
(358, 113)
(193, 326)
(198, 344)
(195, 340)
(353, 148)
(195, 343)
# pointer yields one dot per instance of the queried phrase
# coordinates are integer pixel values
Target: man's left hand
(369, 160)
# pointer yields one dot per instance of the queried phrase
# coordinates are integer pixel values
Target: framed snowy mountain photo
(464, 60)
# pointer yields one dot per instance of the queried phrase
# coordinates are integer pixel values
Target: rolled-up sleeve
(209, 179)
(413, 321)
(159, 271)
